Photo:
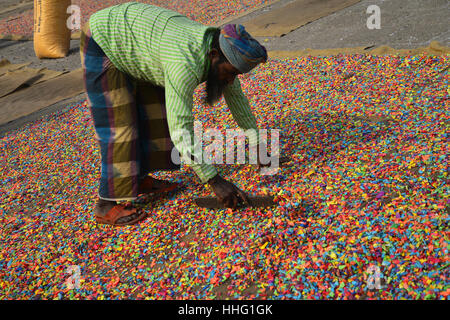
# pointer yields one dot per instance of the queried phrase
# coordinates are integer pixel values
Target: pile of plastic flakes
(364, 197)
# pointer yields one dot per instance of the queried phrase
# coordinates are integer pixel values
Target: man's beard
(214, 87)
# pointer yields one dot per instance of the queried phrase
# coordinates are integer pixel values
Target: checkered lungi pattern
(130, 123)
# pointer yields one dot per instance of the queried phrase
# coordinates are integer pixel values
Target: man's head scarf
(240, 48)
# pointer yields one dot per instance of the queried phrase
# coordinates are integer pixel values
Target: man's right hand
(227, 193)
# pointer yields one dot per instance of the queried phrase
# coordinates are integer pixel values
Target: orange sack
(51, 35)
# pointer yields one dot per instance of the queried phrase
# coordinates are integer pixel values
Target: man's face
(221, 74)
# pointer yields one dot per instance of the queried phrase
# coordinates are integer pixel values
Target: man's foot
(150, 185)
(103, 206)
(109, 212)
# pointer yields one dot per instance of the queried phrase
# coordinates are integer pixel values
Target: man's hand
(227, 193)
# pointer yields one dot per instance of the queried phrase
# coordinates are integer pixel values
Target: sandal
(148, 184)
(119, 211)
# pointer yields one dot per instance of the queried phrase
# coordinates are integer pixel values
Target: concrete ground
(404, 24)
(12, 7)
(23, 51)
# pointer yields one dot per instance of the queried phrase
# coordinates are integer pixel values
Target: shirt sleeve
(180, 83)
(240, 109)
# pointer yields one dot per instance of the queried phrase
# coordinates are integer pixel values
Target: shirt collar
(207, 64)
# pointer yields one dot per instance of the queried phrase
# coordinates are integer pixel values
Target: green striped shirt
(166, 48)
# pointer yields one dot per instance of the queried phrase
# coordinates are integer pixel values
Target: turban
(240, 48)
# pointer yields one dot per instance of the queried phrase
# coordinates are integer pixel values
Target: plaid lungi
(130, 123)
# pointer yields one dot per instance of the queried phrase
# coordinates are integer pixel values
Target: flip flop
(147, 183)
(120, 211)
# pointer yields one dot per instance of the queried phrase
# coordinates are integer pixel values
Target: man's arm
(180, 84)
(242, 114)
(240, 109)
